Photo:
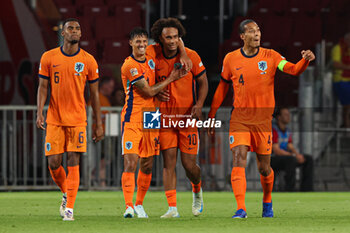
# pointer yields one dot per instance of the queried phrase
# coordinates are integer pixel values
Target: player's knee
(146, 170)
(264, 169)
(73, 159)
(146, 167)
(54, 164)
(130, 166)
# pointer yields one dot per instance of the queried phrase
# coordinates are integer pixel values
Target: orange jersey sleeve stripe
(225, 80)
(200, 74)
(93, 81)
(137, 79)
(44, 77)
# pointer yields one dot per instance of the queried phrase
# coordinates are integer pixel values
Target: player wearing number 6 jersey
(66, 69)
(251, 70)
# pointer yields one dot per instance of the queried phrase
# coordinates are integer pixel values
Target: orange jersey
(135, 103)
(182, 91)
(252, 78)
(67, 75)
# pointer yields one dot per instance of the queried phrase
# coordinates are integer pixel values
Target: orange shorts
(60, 139)
(257, 137)
(187, 140)
(136, 140)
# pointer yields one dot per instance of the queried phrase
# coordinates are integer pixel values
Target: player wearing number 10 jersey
(183, 101)
(66, 69)
(251, 72)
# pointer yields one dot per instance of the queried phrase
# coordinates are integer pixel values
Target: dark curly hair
(157, 28)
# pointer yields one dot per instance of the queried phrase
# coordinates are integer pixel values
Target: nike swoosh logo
(239, 68)
(55, 66)
(79, 146)
(191, 148)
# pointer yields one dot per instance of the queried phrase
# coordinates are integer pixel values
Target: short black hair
(157, 28)
(138, 32)
(241, 28)
(69, 20)
(278, 111)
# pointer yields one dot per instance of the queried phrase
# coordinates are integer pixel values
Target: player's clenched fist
(308, 55)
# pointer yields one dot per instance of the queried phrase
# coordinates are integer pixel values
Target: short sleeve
(226, 72)
(151, 51)
(132, 72)
(93, 71)
(274, 136)
(197, 65)
(44, 67)
(336, 54)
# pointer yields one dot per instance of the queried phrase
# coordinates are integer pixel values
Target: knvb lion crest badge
(79, 67)
(151, 64)
(262, 66)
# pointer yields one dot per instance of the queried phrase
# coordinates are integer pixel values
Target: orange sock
(196, 188)
(59, 176)
(128, 185)
(73, 180)
(143, 183)
(267, 185)
(171, 197)
(239, 186)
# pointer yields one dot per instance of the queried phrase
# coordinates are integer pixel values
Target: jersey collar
(61, 48)
(132, 55)
(177, 52)
(242, 52)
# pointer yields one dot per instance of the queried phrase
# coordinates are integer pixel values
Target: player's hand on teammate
(40, 121)
(163, 96)
(308, 55)
(185, 61)
(176, 73)
(196, 112)
(98, 134)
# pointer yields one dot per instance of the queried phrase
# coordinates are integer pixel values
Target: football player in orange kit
(138, 77)
(182, 102)
(66, 69)
(251, 70)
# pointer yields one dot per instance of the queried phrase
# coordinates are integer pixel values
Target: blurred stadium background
(30, 27)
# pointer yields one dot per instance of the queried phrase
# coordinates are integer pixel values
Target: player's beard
(72, 42)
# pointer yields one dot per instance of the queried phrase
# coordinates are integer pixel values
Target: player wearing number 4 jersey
(66, 69)
(139, 144)
(251, 70)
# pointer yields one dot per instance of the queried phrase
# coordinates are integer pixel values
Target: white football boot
(171, 213)
(197, 204)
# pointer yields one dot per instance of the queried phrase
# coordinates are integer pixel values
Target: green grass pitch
(102, 212)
